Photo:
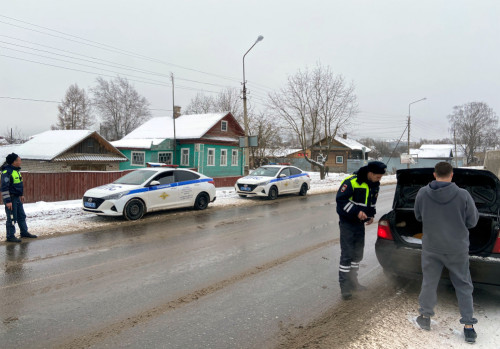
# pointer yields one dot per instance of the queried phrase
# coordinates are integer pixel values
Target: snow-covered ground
(54, 218)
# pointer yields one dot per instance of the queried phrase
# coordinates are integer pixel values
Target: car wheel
(134, 210)
(201, 201)
(303, 190)
(242, 196)
(273, 193)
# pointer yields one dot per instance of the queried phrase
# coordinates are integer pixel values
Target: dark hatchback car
(399, 245)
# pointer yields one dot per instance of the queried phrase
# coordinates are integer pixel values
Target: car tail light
(384, 230)
(212, 182)
(496, 248)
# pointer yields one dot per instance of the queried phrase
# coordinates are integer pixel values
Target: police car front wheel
(273, 193)
(134, 209)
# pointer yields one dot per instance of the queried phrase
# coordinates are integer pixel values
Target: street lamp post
(409, 113)
(245, 116)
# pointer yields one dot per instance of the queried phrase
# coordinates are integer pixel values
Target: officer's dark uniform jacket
(12, 183)
(357, 194)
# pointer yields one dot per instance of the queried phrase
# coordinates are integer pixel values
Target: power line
(105, 46)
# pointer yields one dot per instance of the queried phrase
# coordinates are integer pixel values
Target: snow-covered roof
(430, 151)
(280, 152)
(352, 144)
(48, 145)
(156, 130)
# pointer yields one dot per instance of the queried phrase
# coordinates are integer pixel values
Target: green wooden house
(207, 143)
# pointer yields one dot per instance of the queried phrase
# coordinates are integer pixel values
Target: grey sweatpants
(458, 267)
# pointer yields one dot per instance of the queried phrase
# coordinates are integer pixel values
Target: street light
(409, 113)
(245, 117)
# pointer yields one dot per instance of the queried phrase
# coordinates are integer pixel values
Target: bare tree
(266, 129)
(75, 111)
(14, 136)
(201, 104)
(474, 126)
(315, 105)
(227, 100)
(120, 106)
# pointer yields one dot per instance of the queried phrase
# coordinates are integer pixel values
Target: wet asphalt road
(221, 278)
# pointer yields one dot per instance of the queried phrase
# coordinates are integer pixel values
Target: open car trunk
(483, 186)
(405, 225)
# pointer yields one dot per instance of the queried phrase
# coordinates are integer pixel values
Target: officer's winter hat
(376, 167)
(11, 158)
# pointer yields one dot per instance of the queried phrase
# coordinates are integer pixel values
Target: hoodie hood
(440, 193)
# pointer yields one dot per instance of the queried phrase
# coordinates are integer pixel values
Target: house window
(319, 159)
(223, 157)
(234, 157)
(223, 126)
(185, 157)
(211, 157)
(137, 158)
(339, 159)
(165, 158)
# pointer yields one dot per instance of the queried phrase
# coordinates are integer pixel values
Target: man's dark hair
(443, 169)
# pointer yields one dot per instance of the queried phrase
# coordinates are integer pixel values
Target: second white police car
(273, 180)
(150, 189)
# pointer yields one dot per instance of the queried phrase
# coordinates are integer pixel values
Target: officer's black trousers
(352, 243)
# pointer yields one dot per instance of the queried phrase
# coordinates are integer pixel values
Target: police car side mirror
(282, 175)
(153, 183)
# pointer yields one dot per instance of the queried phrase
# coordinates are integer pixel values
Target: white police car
(273, 180)
(150, 189)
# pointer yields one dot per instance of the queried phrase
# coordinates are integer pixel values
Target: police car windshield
(135, 178)
(265, 171)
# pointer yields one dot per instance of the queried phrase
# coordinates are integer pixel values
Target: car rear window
(295, 171)
(135, 177)
(182, 176)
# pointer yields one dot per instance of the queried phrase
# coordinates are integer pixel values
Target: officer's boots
(356, 286)
(345, 290)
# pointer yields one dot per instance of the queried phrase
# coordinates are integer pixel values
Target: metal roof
(90, 157)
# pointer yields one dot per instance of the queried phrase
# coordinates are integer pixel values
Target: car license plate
(89, 204)
(246, 189)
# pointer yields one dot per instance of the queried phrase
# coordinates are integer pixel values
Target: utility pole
(409, 122)
(173, 116)
(455, 141)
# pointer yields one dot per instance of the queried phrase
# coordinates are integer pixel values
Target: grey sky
(396, 52)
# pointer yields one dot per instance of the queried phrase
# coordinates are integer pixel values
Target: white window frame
(184, 163)
(337, 159)
(165, 152)
(211, 163)
(143, 158)
(319, 159)
(222, 128)
(234, 157)
(223, 157)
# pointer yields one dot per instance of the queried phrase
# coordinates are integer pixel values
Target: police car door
(165, 194)
(284, 181)
(188, 187)
(296, 180)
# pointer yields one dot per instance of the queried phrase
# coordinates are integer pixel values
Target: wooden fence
(72, 185)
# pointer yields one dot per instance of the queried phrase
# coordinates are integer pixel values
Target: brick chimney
(344, 136)
(177, 111)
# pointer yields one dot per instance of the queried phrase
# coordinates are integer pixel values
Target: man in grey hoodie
(446, 212)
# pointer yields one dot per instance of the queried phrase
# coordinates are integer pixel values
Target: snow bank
(49, 218)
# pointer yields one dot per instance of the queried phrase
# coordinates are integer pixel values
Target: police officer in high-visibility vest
(356, 199)
(13, 198)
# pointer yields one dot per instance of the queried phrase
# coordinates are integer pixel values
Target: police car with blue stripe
(148, 190)
(273, 180)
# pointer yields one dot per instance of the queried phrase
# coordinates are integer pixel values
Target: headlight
(263, 183)
(115, 196)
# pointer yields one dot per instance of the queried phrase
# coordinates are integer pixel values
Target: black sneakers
(13, 239)
(28, 235)
(470, 335)
(424, 322)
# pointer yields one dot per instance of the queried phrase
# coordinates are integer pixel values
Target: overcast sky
(395, 52)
